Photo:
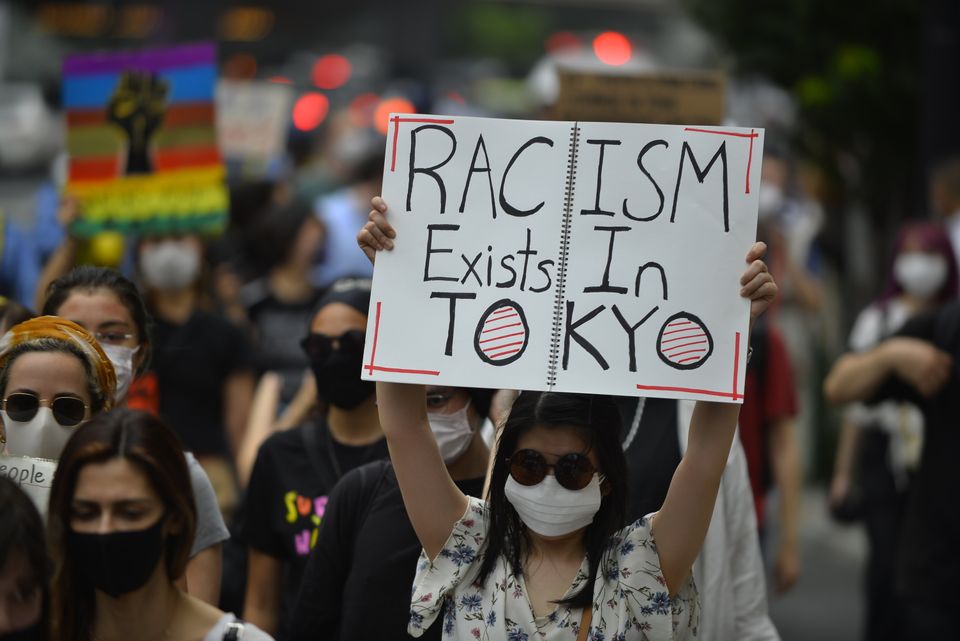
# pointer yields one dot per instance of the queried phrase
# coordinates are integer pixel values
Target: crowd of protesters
(223, 472)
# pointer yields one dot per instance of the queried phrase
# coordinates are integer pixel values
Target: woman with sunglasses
(550, 555)
(296, 468)
(121, 524)
(109, 306)
(53, 377)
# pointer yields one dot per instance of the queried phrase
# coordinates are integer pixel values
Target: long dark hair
(21, 535)
(597, 420)
(88, 279)
(146, 442)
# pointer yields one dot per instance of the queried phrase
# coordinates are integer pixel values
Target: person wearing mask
(121, 525)
(550, 553)
(202, 365)
(296, 469)
(24, 568)
(879, 447)
(109, 306)
(366, 549)
(53, 377)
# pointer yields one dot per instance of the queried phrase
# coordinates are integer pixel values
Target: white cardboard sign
(566, 256)
(33, 475)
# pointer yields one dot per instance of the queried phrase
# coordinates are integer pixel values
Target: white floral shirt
(630, 597)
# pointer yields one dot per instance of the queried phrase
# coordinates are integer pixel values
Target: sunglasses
(69, 411)
(572, 471)
(319, 346)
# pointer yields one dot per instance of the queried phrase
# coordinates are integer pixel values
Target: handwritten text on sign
(33, 475)
(587, 257)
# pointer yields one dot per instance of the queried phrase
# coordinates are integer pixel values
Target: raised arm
(434, 503)
(681, 524)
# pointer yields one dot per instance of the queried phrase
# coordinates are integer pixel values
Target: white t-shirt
(250, 632)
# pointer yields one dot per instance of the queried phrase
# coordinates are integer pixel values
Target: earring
(3, 439)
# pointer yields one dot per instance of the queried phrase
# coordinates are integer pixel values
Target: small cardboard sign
(679, 97)
(33, 475)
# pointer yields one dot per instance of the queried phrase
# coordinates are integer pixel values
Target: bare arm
(786, 472)
(260, 424)
(681, 524)
(434, 503)
(857, 376)
(203, 574)
(237, 394)
(261, 607)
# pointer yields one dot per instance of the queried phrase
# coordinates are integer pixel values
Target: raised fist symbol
(137, 107)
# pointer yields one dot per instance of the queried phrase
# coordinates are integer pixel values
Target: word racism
(501, 331)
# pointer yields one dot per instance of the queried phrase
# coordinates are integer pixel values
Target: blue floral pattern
(630, 597)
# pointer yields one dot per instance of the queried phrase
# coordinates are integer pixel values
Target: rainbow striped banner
(142, 141)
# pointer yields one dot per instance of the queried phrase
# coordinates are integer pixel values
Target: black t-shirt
(358, 581)
(192, 362)
(653, 454)
(929, 559)
(287, 498)
(278, 329)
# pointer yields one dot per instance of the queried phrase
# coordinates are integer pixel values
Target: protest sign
(142, 141)
(568, 256)
(252, 120)
(670, 97)
(33, 475)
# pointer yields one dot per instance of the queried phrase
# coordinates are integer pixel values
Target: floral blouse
(630, 597)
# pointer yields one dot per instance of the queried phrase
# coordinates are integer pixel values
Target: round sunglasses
(68, 411)
(572, 471)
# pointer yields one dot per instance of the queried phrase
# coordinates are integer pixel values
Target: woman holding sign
(549, 553)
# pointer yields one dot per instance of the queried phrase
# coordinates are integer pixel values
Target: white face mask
(122, 359)
(40, 437)
(920, 274)
(453, 433)
(770, 200)
(549, 509)
(169, 265)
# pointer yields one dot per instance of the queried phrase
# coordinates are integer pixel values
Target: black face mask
(337, 369)
(118, 562)
(29, 633)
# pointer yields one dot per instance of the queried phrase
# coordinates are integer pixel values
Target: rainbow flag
(142, 141)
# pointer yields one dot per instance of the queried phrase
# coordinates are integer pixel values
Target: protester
(53, 377)
(296, 469)
(366, 549)
(768, 432)
(729, 570)
(917, 364)
(880, 445)
(109, 306)
(24, 568)
(545, 537)
(121, 525)
(201, 361)
(278, 306)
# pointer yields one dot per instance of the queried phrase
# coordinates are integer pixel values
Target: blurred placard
(142, 141)
(677, 97)
(33, 475)
(252, 121)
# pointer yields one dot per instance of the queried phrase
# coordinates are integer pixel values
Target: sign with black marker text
(569, 256)
(33, 475)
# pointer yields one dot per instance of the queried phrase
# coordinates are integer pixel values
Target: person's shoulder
(285, 440)
(367, 477)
